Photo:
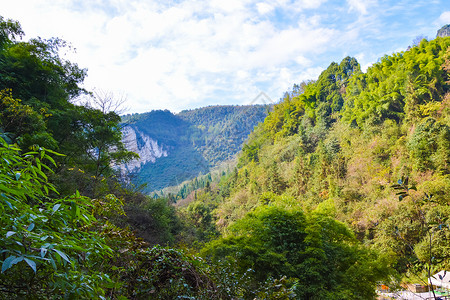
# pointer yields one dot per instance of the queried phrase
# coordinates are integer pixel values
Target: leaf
(52, 261)
(14, 261)
(56, 207)
(30, 227)
(62, 254)
(31, 263)
(43, 252)
(10, 233)
(7, 263)
(9, 204)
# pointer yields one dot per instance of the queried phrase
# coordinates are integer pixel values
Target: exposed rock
(147, 148)
(444, 31)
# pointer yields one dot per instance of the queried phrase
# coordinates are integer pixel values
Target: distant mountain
(177, 147)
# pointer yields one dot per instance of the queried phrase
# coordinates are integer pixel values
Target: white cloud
(182, 54)
(360, 6)
(264, 8)
(444, 18)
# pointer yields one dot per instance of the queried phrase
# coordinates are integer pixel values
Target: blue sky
(185, 54)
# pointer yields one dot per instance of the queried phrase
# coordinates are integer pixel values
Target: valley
(340, 190)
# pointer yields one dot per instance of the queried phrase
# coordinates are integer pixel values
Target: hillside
(177, 147)
(342, 188)
(347, 145)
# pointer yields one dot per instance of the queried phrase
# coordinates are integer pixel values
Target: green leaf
(9, 204)
(56, 207)
(16, 260)
(43, 252)
(30, 227)
(52, 261)
(10, 233)
(31, 263)
(7, 263)
(62, 254)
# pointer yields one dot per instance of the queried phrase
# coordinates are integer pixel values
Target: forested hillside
(370, 150)
(194, 141)
(343, 186)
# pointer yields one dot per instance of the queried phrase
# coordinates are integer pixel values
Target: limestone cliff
(444, 31)
(140, 143)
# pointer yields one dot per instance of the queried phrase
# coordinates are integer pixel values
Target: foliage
(309, 212)
(23, 124)
(38, 85)
(337, 146)
(397, 85)
(196, 140)
(46, 243)
(318, 253)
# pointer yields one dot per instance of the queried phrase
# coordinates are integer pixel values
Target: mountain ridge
(182, 146)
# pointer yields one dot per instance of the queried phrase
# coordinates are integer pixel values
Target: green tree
(47, 247)
(320, 254)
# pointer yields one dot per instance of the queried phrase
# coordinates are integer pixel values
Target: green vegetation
(338, 145)
(314, 210)
(196, 141)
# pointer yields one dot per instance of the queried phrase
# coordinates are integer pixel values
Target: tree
(317, 252)
(22, 124)
(275, 183)
(45, 242)
(46, 84)
(106, 102)
(432, 225)
(9, 31)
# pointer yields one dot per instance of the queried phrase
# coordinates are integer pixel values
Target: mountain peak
(444, 31)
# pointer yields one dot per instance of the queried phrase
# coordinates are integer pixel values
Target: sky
(181, 55)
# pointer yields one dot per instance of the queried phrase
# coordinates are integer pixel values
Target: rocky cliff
(140, 143)
(177, 147)
(444, 31)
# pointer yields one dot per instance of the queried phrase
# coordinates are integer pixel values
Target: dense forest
(343, 186)
(195, 141)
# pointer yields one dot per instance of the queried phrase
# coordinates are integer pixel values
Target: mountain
(177, 147)
(444, 31)
(370, 150)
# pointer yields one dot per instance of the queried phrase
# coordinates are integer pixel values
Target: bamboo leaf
(7, 263)
(62, 254)
(31, 263)
(31, 227)
(10, 233)
(56, 207)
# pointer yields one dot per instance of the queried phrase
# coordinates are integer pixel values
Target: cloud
(358, 5)
(189, 53)
(444, 18)
(264, 8)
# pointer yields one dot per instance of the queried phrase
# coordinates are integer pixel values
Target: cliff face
(140, 143)
(444, 31)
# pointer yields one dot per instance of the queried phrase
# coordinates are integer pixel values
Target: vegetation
(314, 210)
(339, 145)
(196, 141)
